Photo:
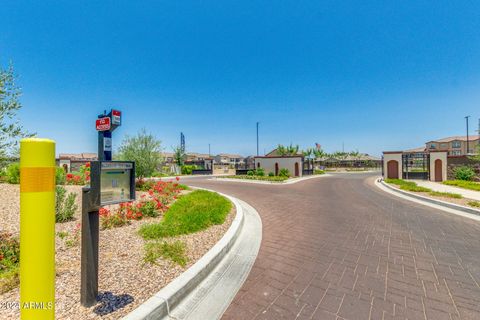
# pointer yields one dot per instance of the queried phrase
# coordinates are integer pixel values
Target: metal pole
(257, 140)
(89, 258)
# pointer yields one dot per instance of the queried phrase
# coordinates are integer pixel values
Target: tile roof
(457, 138)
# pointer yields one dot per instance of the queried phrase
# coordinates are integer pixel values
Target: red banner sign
(103, 124)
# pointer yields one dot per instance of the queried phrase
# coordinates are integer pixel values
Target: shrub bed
(413, 187)
(160, 195)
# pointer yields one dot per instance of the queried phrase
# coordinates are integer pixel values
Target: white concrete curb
(456, 209)
(161, 303)
(289, 181)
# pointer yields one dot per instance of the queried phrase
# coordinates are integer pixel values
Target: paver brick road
(338, 248)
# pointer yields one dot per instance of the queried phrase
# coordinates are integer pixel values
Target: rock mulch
(125, 281)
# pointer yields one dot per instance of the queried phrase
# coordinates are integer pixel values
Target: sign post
(111, 182)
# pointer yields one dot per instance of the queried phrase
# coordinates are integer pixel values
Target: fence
(201, 171)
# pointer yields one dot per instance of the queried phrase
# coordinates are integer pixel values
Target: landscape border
(161, 304)
(456, 209)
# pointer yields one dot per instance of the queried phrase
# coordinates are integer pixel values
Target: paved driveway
(338, 248)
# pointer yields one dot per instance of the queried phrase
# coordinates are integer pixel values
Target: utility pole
(468, 138)
(257, 139)
(209, 149)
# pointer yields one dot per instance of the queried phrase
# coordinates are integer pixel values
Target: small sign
(117, 182)
(107, 144)
(116, 117)
(103, 124)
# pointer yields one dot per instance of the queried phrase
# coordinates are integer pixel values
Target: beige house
(454, 146)
(73, 161)
(229, 159)
(273, 162)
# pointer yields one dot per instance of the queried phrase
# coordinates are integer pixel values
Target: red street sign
(103, 124)
(116, 117)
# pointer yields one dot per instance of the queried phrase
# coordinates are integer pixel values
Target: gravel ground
(124, 281)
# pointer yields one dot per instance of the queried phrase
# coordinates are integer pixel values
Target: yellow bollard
(37, 229)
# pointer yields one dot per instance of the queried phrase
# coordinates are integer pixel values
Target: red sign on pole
(116, 117)
(103, 124)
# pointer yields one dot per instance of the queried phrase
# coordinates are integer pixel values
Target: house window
(443, 146)
(456, 153)
(456, 144)
(433, 146)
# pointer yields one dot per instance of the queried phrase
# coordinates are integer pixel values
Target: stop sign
(103, 124)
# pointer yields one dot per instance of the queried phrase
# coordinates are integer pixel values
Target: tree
(319, 153)
(290, 150)
(144, 149)
(179, 155)
(10, 129)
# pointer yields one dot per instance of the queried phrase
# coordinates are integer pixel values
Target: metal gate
(416, 165)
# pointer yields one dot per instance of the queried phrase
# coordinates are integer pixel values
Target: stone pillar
(392, 165)
(438, 166)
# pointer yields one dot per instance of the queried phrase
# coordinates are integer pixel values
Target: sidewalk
(435, 186)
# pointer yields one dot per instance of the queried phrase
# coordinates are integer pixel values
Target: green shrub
(192, 212)
(317, 171)
(475, 204)
(60, 176)
(144, 185)
(284, 172)
(148, 208)
(250, 173)
(174, 251)
(414, 188)
(65, 205)
(9, 261)
(187, 169)
(271, 174)
(407, 185)
(464, 173)
(400, 182)
(12, 173)
(2, 174)
(470, 185)
(446, 194)
(260, 172)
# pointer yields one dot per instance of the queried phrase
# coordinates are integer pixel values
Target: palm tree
(291, 150)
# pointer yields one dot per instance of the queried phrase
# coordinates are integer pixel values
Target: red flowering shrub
(160, 195)
(80, 178)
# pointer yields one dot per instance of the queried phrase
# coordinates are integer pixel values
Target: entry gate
(416, 166)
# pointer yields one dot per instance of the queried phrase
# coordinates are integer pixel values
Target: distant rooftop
(457, 138)
(77, 156)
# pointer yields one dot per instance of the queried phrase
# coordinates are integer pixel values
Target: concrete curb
(435, 203)
(270, 183)
(160, 304)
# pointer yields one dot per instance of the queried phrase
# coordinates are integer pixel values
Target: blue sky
(374, 75)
